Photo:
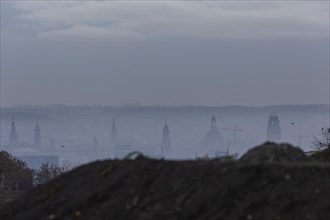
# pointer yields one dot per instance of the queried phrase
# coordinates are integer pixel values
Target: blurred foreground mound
(145, 189)
(271, 152)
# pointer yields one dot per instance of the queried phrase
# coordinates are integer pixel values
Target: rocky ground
(156, 189)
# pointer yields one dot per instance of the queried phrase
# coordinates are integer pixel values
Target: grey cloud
(92, 32)
(162, 19)
(174, 53)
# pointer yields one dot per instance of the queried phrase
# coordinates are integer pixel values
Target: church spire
(166, 143)
(37, 136)
(13, 137)
(213, 122)
(113, 140)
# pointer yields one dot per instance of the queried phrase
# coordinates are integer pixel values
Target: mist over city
(142, 93)
(140, 128)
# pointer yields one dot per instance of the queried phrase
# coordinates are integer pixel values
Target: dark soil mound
(270, 152)
(155, 189)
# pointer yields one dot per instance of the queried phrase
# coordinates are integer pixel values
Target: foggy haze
(121, 67)
(74, 127)
(167, 53)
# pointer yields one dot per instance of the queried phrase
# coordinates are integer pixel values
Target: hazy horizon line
(157, 105)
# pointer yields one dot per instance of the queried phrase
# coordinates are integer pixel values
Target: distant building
(166, 143)
(213, 140)
(13, 137)
(37, 136)
(113, 140)
(273, 128)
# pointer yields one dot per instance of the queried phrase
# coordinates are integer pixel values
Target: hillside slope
(156, 189)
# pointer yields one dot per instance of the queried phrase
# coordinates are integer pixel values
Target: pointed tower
(37, 136)
(166, 143)
(13, 137)
(113, 140)
(213, 141)
(213, 123)
(273, 128)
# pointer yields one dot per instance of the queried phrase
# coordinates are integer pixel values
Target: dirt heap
(156, 189)
(271, 152)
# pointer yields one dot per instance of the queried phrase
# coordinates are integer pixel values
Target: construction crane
(235, 130)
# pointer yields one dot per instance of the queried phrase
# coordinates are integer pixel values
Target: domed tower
(13, 137)
(37, 136)
(273, 128)
(166, 143)
(213, 140)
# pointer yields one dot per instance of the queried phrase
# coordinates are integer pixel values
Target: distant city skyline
(189, 127)
(174, 53)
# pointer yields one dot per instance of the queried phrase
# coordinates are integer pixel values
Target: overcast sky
(167, 53)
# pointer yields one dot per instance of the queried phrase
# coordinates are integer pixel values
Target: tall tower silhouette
(213, 123)
(166, 143)
(13, 137)
(113, 140)
(37, 136)
(213, 140)
(273, 128)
